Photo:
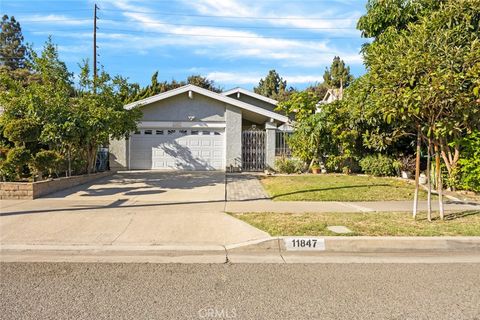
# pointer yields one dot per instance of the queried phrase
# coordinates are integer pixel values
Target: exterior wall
(233, 131)
(179, 108)
(271, 130)
(118, 157)
(33, 190)
(253, 101)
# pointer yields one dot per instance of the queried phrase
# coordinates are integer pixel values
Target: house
(191, 128)
(330, 96)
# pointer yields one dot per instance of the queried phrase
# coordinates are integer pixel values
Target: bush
(46, 161)
(22, 130)
(17, 159)
(288, 165)
(379, 165)
(470, 163)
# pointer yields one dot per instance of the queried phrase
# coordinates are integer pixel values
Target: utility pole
(95, 42)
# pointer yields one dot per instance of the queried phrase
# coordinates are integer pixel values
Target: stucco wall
(253, 101)
(233, 118)
(179, 108)
(118, 154)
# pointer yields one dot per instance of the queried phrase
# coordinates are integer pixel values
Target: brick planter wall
(33, 190)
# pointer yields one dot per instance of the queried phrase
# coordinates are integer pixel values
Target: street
(239, 291)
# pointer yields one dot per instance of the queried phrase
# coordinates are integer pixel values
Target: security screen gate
(253, 150)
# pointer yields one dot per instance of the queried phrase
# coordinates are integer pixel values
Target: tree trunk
(429, 181)
(439, 181)
(69, 162)
(417, 172)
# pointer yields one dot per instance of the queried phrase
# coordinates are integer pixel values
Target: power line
(223, 36)
(232, 26)
(228, 17)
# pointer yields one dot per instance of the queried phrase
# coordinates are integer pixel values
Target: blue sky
(234, 42)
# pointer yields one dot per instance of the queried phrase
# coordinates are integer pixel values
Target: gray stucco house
(191, 128)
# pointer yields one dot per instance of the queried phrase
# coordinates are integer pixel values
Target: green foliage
(395, 14)
(46, 161)
(338, 75)
(289, 165)
(470, 163)
(203, 82)
(380, 165)
(300, 104)
(21, 131)
(17, 159)
(12, 50)
(272, 86)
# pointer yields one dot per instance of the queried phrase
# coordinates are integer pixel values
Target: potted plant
(407, 166)
(315, 168)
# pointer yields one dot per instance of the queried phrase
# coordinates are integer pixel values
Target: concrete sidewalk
(105, 222)
(335, 206)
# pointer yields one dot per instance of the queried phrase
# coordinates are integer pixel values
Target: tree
(338, 76)
(426, 75)
(100, 114)
(203, 82)
(396, 14)
(12, 50)
(273, 86)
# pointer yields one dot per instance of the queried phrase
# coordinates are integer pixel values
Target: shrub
(379, 165)
(46, 161)
(470, 163)
(20, 131)
(288, 165)
(17, 159)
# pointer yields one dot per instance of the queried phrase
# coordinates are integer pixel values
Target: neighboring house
(191, 128)
(330, 96)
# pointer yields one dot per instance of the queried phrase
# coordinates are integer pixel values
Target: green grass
(364, 224)
(336, 187)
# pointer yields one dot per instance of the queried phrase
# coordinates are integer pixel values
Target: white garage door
(180, 149)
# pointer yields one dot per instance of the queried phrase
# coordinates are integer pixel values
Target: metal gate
(253, 150)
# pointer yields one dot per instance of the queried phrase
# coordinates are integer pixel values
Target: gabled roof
(210, 94)
(251, 94)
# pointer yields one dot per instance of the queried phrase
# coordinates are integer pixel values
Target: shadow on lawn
(450, 216)
(327, 189)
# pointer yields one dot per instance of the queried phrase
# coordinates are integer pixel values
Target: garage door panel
(178, 150)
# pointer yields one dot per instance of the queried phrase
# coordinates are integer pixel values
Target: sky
(233, 42)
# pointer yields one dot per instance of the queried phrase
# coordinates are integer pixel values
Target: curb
(359, 244)
(268, 250)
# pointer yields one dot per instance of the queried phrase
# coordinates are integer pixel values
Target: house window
(137, 132)
(148, 131)
(194, 132)
(170, 132)
(206, 133)
(159, 132)
(183, 132)
(216, 133)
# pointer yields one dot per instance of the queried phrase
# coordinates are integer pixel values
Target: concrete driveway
(129, 208)
(159, 186)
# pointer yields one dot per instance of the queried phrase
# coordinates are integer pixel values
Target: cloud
(224, 43)
(54, 20)
(253, 78)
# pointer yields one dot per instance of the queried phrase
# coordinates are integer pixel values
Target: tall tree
(12, 49)
(273, 86)
(338, 75)
(203, 82)
(427, 73)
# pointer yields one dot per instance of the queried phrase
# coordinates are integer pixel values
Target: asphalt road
(242, 291)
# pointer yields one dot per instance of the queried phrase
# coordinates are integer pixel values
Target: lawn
(364, 224)
(336, 187)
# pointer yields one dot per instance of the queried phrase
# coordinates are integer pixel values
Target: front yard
(364, 224)
(337, 187)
